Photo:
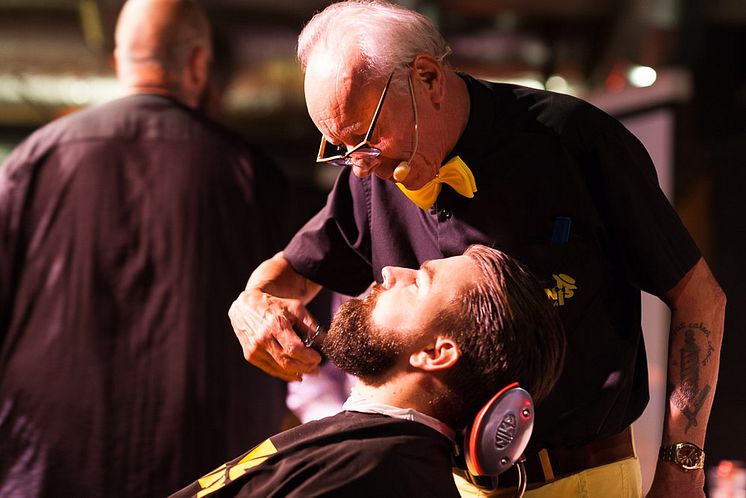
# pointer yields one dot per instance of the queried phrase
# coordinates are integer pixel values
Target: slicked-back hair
(507, 331)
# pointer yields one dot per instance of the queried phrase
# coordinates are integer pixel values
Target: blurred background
(674, 71)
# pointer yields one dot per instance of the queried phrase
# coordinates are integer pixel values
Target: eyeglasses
(339, 155)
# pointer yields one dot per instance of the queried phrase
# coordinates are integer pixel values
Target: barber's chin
(383, 171)
(413, 182)
(417, 177)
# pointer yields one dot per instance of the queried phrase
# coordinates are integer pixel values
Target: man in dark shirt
(126, 230)
(547, 178)
(427, 347)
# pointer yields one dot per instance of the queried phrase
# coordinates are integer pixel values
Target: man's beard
(359, 347)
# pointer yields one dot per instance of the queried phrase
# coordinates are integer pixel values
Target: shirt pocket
(573, 274)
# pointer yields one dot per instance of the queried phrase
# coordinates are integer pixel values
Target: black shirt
(564, 188)
(126, 230)
(348, 455)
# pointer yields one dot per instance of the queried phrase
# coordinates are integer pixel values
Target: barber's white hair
(388, 35)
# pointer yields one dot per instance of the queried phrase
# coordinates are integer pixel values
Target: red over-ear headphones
(497, 437)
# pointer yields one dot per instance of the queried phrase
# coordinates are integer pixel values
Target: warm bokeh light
(642, 76)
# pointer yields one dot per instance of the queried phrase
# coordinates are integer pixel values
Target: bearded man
(427, 347)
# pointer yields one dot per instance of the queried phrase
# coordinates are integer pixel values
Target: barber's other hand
(266, 328)
(671, 480)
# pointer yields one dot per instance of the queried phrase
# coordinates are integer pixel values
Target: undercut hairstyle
(388, 36)
(507, 331)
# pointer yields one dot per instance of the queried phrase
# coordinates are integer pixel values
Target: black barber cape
(350, 454)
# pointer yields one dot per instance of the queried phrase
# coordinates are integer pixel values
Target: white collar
(358, 402)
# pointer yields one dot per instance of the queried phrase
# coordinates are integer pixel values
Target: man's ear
(198, 69)
(428, 71)
(441, 354)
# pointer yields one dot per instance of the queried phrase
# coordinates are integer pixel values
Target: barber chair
(495, 441)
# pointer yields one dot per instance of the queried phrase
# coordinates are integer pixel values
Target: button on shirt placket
(442, 216)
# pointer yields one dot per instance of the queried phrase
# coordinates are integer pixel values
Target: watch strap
(686, 455)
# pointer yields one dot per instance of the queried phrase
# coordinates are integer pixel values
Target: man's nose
(393, 274)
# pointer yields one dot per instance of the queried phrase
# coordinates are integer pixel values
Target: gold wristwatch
(688, 456)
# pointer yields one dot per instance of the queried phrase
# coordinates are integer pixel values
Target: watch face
(688, 456)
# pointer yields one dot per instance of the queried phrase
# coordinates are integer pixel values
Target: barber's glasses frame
(339, 155)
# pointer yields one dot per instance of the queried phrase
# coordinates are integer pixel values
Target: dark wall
(720, 107)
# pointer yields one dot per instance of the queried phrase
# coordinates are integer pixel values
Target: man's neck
(369, 399)
(408, 391)
(154, 90)
(460, 107)
(384, 393)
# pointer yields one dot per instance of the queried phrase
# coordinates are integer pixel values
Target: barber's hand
(266, 328)
(670, 480)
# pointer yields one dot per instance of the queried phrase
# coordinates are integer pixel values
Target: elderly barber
(434, 160)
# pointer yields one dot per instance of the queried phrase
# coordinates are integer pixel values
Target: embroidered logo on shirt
(564, 289)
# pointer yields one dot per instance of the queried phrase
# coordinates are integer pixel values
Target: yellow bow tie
(455, 173)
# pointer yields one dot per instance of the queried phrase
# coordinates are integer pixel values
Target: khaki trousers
(620, 479)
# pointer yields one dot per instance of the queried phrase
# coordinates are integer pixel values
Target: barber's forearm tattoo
(688, 396)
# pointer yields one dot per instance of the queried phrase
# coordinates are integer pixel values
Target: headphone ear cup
(500, 432)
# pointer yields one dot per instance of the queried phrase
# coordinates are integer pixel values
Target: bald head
(163, 46)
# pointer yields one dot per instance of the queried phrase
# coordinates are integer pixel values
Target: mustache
(373, 293)
(356, 345)
(341, 323)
